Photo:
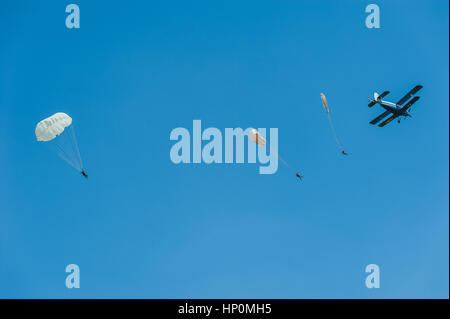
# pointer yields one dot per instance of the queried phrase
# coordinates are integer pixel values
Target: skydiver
(84, 174)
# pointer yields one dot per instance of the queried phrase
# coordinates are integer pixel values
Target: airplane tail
(375, 98)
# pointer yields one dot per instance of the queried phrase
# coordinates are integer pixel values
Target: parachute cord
(73, 140)
(76, 145)
(334, 133)
(64, 156)
(287, 165)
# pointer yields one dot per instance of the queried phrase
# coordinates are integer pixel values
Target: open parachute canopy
(256, 137)
(324, 102)
(48, 129)
(57, 132)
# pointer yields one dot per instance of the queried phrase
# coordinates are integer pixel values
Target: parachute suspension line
(287, 165)
(73, 140)
(61, 153)
(75, 143)
(333, 131)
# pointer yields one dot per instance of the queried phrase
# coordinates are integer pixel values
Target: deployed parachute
(325, 105)
(57, 132)
(324, 101)
(256, 137)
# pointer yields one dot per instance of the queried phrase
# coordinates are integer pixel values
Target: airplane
(396, 109)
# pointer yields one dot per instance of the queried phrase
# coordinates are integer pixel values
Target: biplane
(396, 110)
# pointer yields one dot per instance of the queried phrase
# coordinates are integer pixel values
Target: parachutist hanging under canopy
(325, 105)
(57, 133)
(261, 141)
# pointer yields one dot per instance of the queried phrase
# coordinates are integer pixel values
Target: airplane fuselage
(395, 109)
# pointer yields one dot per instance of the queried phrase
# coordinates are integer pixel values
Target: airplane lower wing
(380, 117)
(389, 120)
(408, 105)
(410, 94)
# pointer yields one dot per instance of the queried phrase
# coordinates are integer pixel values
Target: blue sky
(143, 227)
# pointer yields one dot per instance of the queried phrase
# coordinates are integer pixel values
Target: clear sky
(143, 227)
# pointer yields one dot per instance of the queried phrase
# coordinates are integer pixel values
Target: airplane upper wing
(389, 120)
(382, 95)
(380, 117)
(410, 94)
(413, 100)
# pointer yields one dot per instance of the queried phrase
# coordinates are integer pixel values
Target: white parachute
(57, 132)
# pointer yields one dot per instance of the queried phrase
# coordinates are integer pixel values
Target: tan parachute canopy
(256, 137)
(324, 101)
